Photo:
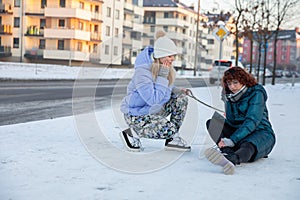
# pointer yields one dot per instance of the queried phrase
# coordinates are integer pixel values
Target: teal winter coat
(250, 116)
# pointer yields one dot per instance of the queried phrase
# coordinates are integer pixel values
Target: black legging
(218, 129)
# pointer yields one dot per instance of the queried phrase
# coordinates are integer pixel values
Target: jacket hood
(144, 60)
(259, 88)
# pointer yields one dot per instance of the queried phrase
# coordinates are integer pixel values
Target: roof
(282, 34)
(166, 3)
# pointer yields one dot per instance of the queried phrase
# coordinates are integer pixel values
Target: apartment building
(63, 31)
(133, 30)
(180, 23)
(123, 30)
(288, 50)
(112, 34)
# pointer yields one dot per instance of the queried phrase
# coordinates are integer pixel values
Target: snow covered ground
(81, 157)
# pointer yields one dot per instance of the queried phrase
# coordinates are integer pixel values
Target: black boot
(227, 150)
(232, 157)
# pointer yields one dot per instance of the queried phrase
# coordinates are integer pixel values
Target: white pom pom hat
(164, 47)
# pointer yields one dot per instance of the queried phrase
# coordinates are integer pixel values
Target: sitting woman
(246, 134)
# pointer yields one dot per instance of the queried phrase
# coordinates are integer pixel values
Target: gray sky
(227, 5)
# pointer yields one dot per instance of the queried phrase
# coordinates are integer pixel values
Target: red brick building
(288, 50)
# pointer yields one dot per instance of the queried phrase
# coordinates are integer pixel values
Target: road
(23, 101)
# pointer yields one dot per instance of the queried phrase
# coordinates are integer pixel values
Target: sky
(227, 5)
(210, 4)
(81, 157)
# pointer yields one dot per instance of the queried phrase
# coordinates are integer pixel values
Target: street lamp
(197, 33)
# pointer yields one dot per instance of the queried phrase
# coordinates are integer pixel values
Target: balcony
(5, 51)
(96, 37)
(5, 29)
(96, 16)
(172, 22)
(68, 13)
(66, 55)
(34, 53)
(5, 9)
(34, 31)
(67, 33)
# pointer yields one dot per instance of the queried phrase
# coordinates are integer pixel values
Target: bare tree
(250, 26)
(282, 8)
(267, 26)
(240, 9)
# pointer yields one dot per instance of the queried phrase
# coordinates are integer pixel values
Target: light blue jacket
(144, 95)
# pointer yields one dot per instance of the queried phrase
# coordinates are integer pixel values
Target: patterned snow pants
(158, 126)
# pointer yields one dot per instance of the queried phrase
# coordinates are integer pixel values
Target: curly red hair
(239, 74)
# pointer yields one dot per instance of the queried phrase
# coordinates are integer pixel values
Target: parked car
(215, 73)
(279, 73)
(268, 73)
(290, 74)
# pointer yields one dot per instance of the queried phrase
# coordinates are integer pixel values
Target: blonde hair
(155, 69)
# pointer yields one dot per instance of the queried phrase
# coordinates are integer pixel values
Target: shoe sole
(173, 148)
(127, 143)
(217, 158)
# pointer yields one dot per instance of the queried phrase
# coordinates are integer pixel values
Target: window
(108, 12)
(42, 23)
(79, 46)
(42, 44)
(16, 43)
(117, 14)
(210, 41)
(152, 29)
(61, 45)
(95, 48)
(107, 31)
(115, 50)
(43, 3)
(62, 3)
(17, 3)
(116, 32)
(96, 9)
(80, 25)
(166, 15)
(151, 42)
(165, 28)
(81, 5)
(106, 49)
(61, 23)
(17, 22)
(96, 28)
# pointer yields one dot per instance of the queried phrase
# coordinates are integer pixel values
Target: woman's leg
(151, 126)
(245, 152)
(176, 107)
(218, 129)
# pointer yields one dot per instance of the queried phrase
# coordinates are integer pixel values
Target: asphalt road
(23, 101)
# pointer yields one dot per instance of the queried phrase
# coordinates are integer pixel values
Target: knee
(182, 99)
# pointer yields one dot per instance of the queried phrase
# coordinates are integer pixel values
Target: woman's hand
(221, 144)
(226, 142)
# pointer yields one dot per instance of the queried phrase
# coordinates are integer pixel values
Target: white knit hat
(164, 46)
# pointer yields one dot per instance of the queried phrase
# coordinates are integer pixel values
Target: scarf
(234, 97)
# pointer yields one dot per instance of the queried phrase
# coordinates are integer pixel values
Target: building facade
(288, 50)
(63, 31)
(112, 34)
(180, 23)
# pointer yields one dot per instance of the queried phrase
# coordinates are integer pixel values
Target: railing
(6, 29)
(5, 8)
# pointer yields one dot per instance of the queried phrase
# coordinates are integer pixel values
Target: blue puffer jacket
(250, 116)
(144, 95)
